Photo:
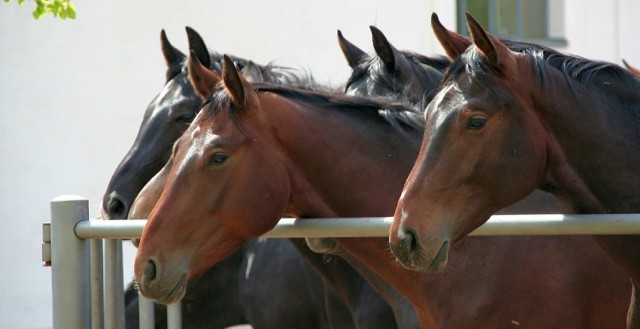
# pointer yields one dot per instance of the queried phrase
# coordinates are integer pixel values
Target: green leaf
(58, 8)
(38, 13)
(71, 11)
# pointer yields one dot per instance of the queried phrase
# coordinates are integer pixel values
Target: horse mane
(597, 76)
(397, 115)
(276, 74)
(289, 76)
(394, 113)
(439, 63)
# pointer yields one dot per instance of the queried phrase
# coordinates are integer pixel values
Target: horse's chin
(160, 295)
(421, 260)
(324, 246)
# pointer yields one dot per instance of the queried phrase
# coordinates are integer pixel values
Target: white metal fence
(86, 255)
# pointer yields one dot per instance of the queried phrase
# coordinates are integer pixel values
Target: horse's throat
(305, 201)
(563, 180)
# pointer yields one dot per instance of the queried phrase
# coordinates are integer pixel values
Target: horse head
(224, 159)
(482, 150)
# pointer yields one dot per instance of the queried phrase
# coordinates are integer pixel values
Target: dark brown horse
(505, 123)
(257, 153)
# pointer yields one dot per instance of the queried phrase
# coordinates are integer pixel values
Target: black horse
(391, 73)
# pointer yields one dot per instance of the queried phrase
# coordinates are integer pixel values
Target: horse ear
(353, 54)
(383, 48)
(252, 72)
(632, 69)
(202, 78)
(453, 43)
(197, 44)
(233, 82)
(171, 54)
(493, 49)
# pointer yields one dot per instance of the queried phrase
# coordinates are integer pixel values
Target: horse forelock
(221, 101)
(182, 67)
(471, 63)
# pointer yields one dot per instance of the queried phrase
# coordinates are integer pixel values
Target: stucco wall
(72, 93)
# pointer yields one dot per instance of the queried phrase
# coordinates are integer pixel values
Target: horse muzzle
(416, 256)
(163, 287)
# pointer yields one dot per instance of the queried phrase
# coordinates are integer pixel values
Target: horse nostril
(410, 240)
(149, 273)
(116, 208)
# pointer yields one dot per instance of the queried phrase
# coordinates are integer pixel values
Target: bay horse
(391, 73)
(505, 123)
(352, 304)
(256, 153)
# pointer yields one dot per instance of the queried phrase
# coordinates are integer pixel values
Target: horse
(391, 73)
(165, 118)
(256, 153)
(506, 122)
(168, 115)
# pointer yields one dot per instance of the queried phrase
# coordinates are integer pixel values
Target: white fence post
(113, 285)
(69, 264)
(97, 284)
(145, 311)
(174, 316)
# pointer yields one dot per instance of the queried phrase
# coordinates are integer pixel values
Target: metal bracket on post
(69, 264)
(46, 244)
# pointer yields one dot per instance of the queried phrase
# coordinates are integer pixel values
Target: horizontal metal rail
(553, 224)
(69, 255)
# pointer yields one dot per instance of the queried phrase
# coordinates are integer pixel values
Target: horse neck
(340, 163)
(594, 147)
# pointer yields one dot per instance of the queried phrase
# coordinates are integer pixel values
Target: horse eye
(476, 123)
(218, 159)
(187, 118)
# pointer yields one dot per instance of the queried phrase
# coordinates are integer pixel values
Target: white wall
(72, 93)
(604, 30)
